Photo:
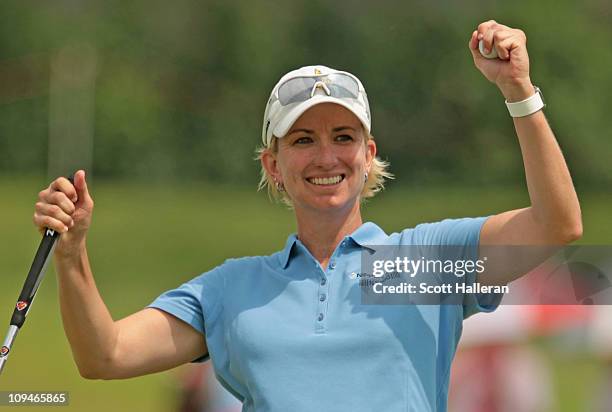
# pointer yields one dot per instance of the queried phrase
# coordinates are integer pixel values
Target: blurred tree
(181, 88)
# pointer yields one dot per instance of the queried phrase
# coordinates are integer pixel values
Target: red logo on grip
(4, 351)
(21, 305)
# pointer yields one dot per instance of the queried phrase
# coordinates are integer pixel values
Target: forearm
(554, 203)
(88, 324)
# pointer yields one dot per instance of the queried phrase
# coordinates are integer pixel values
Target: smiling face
(322, 159)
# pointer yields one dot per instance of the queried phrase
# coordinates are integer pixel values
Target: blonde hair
(375, 183)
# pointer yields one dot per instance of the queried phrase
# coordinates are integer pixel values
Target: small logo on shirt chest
(368, 279)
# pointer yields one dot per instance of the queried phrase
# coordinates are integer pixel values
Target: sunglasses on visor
(300, 89)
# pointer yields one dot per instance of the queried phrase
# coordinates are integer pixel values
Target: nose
(326, 156)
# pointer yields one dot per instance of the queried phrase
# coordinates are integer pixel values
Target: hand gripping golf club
(35, 276)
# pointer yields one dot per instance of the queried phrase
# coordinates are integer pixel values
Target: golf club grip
(37, 270)
(32, 281)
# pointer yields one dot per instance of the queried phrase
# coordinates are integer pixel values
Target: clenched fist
(67, 209)
(510, 71)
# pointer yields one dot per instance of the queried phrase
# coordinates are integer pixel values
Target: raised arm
(145, 342)
(553, 217)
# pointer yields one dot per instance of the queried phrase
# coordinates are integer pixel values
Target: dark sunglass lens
(295, 90)
(300, 89)
(343, 85)
(338, 90)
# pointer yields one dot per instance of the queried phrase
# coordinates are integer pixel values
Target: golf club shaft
(28, 292)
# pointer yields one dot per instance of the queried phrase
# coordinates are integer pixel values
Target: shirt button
(322, 297)
(323, 281)
(332, 265)
(320, 317)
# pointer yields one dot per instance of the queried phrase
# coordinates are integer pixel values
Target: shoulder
(242, 266)
(444, 232)
(248, 262)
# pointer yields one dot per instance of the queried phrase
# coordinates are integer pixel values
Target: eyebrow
(335, 129)
(301, 130)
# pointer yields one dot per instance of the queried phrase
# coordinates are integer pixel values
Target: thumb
(80, 184)
(475, 50)
(473, 45)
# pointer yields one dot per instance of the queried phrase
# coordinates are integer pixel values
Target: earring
(279, 186)
(365, 177)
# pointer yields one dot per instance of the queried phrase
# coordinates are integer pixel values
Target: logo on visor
(317, 72)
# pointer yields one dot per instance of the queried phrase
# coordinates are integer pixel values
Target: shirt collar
(286, 252)
(367, 235)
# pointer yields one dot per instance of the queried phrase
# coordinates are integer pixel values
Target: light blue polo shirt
(286, 335)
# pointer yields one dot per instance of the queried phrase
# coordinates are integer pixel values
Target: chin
(331, 203)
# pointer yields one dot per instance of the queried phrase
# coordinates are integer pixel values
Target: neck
(321, 232)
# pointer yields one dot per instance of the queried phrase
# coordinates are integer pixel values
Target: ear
(370, 154)
(270, 164)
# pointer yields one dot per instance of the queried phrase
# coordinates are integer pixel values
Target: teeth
(325, 180)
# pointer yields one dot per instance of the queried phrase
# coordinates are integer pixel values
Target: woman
(288, 331)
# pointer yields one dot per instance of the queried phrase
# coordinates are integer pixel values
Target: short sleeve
(462, 232)
(195, 302)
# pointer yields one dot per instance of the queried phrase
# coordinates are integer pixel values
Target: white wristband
(528, 106)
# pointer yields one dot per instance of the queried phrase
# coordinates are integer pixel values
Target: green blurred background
(162, 104)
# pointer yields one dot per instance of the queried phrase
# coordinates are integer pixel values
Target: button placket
(323, 289)
(322, 297)
(321, 312)
(322, 306)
